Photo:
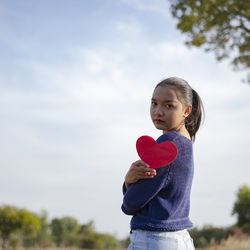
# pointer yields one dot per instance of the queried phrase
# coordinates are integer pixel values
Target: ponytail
(190, 97)
(193, 121)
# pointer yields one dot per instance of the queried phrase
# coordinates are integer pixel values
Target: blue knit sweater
(162, 203)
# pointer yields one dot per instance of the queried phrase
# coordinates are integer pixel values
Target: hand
(138, 170)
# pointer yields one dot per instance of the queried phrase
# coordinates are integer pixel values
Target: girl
(159, 200)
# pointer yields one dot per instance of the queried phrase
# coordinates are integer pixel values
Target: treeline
(22, 228)
(210, 235)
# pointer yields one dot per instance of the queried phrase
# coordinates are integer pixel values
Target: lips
(158, 121)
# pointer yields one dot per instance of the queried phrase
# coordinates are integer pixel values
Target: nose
(158, 111)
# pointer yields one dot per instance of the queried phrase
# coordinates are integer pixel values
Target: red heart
(154, 154)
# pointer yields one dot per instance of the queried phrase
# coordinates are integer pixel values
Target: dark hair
(189, 97)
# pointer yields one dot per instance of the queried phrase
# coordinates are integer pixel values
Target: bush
(202, 237)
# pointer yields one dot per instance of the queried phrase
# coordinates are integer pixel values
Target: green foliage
(9, 223)
(57, 231)
(98, 241)
(19, 227)
(246, 228)
(87, 228)
(242, 208)
(202, 237)
(201, 242)
(44, 238)
(90, 239)
(125, 242)
(8, 220)
(63, 229)
(30, 223)
(13, 220)
(221, 26)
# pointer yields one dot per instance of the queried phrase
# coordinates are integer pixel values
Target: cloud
(157, 7)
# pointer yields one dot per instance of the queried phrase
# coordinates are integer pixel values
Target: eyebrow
(153, 99)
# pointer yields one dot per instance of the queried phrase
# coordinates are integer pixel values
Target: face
(167, 109)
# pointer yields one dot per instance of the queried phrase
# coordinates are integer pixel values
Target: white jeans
(152, 240)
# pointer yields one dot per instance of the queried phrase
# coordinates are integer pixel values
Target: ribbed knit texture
(162, 203)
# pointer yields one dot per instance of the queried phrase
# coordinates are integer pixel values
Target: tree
(13, 219)
(242, 208)
(9, 223)
(88, 238)
(125, 242)
(87, 228)
(30, 223)
(58, 231)
(64, 229)
(202, 237)
(44, 237)
(223, 26)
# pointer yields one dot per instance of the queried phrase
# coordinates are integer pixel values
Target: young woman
(159, 200)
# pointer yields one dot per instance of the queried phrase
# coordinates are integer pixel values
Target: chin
(160, 127)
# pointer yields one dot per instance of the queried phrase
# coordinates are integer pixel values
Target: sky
(76, 79)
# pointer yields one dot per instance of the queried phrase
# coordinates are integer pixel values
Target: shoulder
(184, 147)
(172, 136)
(175, 137)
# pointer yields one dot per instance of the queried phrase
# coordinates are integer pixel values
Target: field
(54, 248)
(230, 244)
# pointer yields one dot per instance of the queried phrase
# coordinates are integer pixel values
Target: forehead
(166, 93)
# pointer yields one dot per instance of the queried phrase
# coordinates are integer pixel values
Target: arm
(137, 191)
(143, 191)
(140, 170)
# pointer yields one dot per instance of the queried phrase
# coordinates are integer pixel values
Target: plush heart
(154, 154)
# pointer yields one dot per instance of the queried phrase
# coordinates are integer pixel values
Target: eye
(169, 106)
(153, 103)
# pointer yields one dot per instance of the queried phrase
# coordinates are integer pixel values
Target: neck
(182, 130)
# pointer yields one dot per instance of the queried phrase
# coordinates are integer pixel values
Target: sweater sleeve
(140, 193)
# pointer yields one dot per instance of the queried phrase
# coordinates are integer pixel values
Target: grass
(231, 243)
(54, 248)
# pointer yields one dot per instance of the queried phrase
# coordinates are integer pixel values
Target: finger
(140, 163)
(140, 170)
(150, 173)
(143, 171)
(145, 176)
(148, 170)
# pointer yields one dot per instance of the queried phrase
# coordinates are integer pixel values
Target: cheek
(151, 111)
(175, 114)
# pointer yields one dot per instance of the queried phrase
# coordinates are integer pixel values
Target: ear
(187, 111)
